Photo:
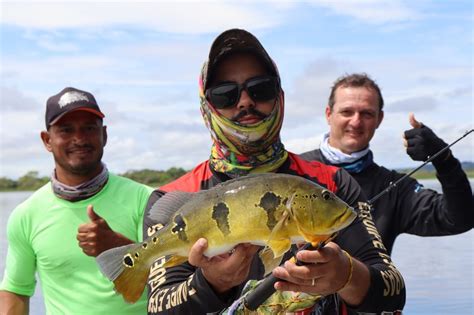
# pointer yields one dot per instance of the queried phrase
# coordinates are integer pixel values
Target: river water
(438, 271)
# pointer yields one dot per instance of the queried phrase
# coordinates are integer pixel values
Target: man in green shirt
(81, 212)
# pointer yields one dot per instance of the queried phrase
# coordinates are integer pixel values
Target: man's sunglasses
(260, 89)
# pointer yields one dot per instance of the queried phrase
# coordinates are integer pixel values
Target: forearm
(386, 291)
(381, 285)
(13, 304)
(184, 290)
(457, 192)
(121, 240)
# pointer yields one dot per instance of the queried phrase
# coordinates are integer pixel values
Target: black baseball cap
(232, 41)
(68, 100)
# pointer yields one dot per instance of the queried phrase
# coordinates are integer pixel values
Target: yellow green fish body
(271, 210)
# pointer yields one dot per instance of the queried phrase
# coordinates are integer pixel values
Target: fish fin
(129, 281)
(279, 247)
(280, 224)
(164, 208)
(278, 244)
(289, 203)
(111, 261)
(243, 179)
(174, 261)
(268, 259)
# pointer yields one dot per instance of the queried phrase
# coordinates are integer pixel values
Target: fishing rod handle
(266, 288)
(262, 292)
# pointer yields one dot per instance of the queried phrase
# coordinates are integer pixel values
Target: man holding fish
(353, 113)
(81, 212)
(219, 226)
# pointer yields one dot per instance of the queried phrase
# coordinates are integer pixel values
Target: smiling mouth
(80, 151)
(354, 133)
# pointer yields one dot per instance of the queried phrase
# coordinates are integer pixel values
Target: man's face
(77, 141)
(239, 68)
(353, 119)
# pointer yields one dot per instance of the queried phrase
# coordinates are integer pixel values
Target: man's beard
(82, 168)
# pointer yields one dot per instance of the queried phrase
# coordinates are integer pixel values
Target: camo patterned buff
(239, 150)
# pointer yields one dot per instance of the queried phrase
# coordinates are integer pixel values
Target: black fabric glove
(423, 143)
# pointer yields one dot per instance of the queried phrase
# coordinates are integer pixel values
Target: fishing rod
(266, 288)
(430, 158)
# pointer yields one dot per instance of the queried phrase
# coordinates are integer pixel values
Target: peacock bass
(271, 210)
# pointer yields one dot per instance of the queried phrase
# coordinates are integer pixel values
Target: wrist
(122, 240)
(445, 163)
(356, 290)
(351, 270)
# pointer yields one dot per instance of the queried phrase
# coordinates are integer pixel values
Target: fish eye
(326, 195)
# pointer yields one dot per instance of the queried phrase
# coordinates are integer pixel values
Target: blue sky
(141, 60)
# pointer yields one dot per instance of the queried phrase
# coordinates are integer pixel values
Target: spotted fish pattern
(272, 210)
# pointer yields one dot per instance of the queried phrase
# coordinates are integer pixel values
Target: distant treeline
(32, 180)
(428, 171)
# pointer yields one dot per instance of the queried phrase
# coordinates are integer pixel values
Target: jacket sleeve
(181, 289)
(426, 212)
(362, 241)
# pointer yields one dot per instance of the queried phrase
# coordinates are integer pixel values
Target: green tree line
(154, 178)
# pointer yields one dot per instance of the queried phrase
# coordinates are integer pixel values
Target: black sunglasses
(260, 89)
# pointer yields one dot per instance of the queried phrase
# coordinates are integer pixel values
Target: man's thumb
(91, 214)
(413, 122)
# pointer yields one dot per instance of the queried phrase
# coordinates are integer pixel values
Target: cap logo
(72, 97)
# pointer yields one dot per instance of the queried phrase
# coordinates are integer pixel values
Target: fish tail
(129, 275)
(131, 283)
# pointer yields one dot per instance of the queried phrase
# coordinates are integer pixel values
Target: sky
(141, 60)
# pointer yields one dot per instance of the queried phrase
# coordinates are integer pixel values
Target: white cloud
(371, 11)
(165, 16)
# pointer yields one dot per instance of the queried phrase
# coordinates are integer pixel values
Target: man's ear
(380, 118)
(328, 113)
(104, 134)
(46, 138)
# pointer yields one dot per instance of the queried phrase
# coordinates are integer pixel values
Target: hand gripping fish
(270, 210)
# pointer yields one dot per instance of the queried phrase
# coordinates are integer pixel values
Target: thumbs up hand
(92, 215)
(421, 142)
(96, 236)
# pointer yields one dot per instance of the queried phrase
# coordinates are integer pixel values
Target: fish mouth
(345, 219)
(338, 223)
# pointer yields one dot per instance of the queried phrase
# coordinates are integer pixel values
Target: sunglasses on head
(260, 89)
